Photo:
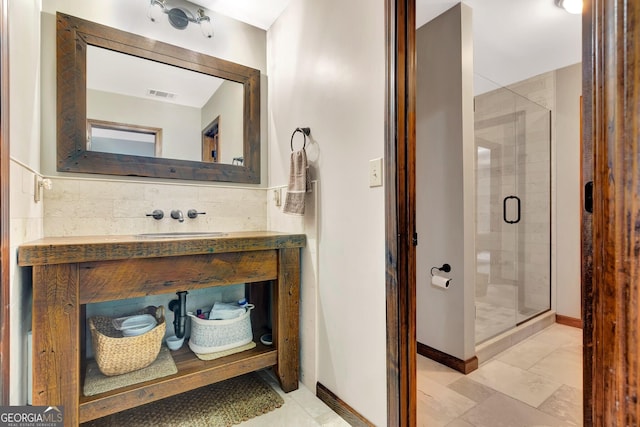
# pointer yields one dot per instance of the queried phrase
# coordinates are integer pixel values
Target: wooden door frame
(400, 208)
(611, 267)
(5, 268)
(611, 259)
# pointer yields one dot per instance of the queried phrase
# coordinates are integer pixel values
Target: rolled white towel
(223, 311)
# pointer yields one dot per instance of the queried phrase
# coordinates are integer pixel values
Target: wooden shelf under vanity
(192, 373)
(69, 273)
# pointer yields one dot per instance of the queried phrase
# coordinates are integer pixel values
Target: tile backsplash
(75, 207)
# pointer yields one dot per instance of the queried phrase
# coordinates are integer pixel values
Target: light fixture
(571, 6)
(180, 17)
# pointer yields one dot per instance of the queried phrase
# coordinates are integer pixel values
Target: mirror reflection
(145, 108)
(182, 114)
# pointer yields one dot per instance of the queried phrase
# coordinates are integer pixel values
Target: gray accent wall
(445, 182)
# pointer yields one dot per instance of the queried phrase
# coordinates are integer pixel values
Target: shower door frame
(518, 118)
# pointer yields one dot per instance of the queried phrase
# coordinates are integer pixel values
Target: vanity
(70, 272)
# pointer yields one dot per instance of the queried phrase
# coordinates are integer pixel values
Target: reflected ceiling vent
(160, 94)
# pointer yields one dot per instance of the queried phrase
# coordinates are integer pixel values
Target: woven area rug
(95, 382)
(221, 404)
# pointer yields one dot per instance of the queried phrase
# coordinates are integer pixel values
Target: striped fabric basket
(210, 336)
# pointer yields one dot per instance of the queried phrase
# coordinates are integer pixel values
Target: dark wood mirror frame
(73, 36)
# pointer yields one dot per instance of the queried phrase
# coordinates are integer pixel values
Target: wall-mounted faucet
(177, 214)
(157, 214)
(192, 213)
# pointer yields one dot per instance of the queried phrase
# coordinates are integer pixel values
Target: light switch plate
(375, 172)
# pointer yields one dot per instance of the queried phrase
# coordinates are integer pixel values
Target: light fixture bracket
(179, 17)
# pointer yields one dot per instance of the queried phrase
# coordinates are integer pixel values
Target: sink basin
(180, 234)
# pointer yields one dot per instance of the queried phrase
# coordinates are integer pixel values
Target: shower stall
(513, 211)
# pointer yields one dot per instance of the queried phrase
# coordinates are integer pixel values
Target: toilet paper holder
(445, 267)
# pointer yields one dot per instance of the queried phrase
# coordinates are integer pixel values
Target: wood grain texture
(400, 208)
(569, 321)
(73, 37)
(612, 109)
(340, 407)
(62, 290)
(56, 337)
(113, 280)
(286, 329)
(192, 373)
(464, 366)
(586, 256)
(59, 250)
(5, 244)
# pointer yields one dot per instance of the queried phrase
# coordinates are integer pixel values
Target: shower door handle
(504, 209)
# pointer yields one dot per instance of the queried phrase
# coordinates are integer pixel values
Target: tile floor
(537, 382)
(301, 409)
(496, 311)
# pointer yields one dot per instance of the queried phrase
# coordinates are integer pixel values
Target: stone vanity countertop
(63, 250)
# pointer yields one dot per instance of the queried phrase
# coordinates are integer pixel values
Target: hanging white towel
(299, 183)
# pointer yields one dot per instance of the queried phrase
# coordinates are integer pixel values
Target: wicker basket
(115, 354)
(210, 336)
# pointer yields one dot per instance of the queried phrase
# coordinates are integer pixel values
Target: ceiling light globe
(207, 28)
(572, 6)
(155, 11)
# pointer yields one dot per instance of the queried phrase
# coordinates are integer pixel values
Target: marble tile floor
(301, 409)
(496, 311)
(537, 382)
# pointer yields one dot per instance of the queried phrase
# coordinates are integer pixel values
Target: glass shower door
(512, 137)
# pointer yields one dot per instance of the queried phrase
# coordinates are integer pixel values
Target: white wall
(24, 136)
(445, 187)
(227, 103)
(567, 135)
(326, 71)
(180, 124)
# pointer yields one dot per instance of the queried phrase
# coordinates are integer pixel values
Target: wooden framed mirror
(84, 46)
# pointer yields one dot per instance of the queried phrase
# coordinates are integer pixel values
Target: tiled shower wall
(519, 253)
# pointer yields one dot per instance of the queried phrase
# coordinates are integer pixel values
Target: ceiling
(513, 39)
(259, 13)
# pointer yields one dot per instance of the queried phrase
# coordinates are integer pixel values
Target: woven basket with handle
(116, 354)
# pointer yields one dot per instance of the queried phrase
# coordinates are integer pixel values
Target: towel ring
(305, 132)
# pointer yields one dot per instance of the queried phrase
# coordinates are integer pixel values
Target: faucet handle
(156, 214)
(192, 213)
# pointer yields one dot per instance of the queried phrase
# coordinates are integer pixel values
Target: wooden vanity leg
(56, 333)
(286, 318)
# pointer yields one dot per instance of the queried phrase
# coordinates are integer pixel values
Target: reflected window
(121, 138)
